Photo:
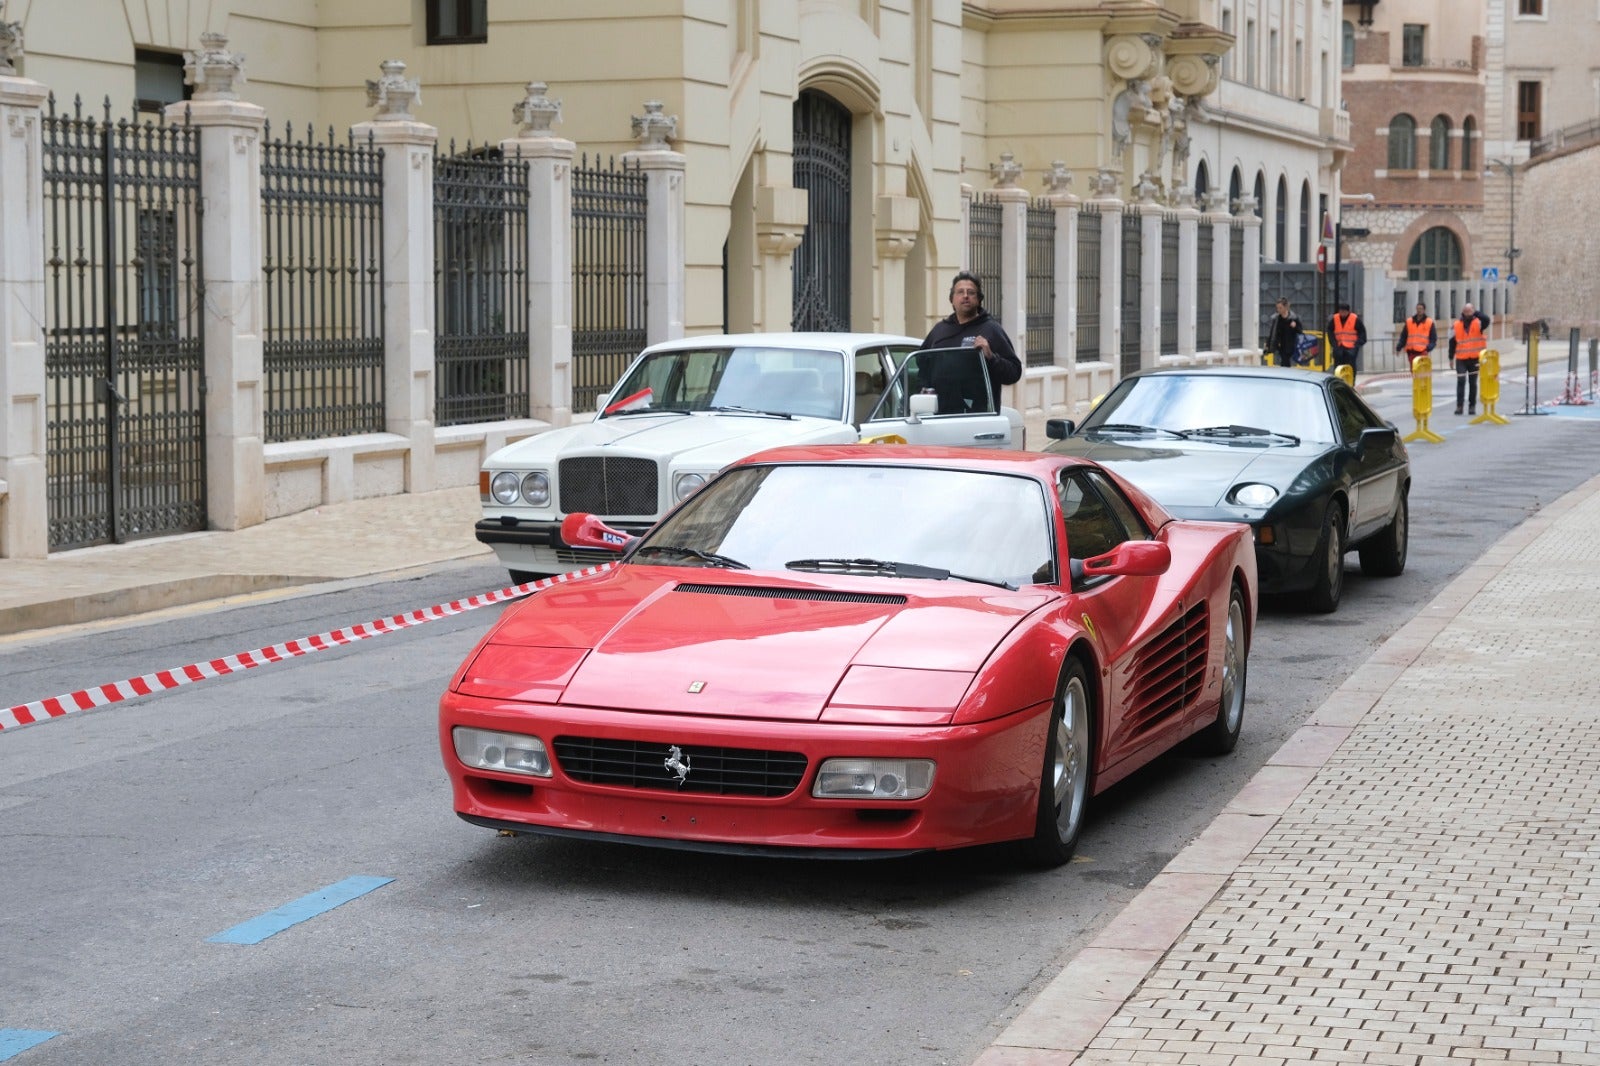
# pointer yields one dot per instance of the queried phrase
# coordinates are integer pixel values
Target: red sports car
(859, 651)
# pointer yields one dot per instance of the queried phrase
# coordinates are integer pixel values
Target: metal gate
(124, 360)
(822, 168)
(1132, 299)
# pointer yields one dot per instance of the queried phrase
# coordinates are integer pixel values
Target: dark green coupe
(1295, 454)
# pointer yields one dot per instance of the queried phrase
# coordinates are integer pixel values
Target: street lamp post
(1512, 251)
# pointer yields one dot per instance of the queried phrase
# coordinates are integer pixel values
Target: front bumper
(985, 786)
(536, 545)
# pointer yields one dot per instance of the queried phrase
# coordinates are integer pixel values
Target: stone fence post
(1013, 309)
(1217, 217)
(230, 256)
(549, 160)
(1058, 193)
(1111, 207)
(24, 499)
(1188, 272)
(1250, 291)
(1151, 216)
(666, 251)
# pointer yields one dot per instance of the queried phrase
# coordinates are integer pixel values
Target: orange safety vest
(1470, 342)
(1417, 335)
(1344, 331)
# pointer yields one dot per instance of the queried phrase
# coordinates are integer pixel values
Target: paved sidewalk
(1413, 878)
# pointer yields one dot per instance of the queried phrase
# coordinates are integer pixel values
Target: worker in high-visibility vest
(1347, 333)
(1418, 337)
(1468, 339)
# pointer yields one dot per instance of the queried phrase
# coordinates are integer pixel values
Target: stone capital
(654, 130)
(535, 113)
(10, 46)
(213, 70)
(781, 215)
(393, 94)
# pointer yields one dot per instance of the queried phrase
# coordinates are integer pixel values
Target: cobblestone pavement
(1413, 879)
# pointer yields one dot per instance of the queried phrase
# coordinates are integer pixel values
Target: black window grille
(1132, 274)
(1041, 343)
(457, 21)
(1205, 242)
(1236, 284)
(1169, 284)
(608, 275)
(983, 244)
(1088, 341)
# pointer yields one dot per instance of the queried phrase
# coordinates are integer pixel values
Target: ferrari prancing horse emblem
(1088, 623)
(696, 686)
(678, 763)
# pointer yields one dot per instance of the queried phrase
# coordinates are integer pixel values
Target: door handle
(988, 436)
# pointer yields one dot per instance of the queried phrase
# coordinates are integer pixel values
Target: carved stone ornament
(1193, 75)
(1130, 56)
(536, 112)
(1006, 172)
(394, 93)
(1145, 191)
(10, 46)
(1245, 207)
(1058, 179)
(1216, 202)
(1106, 182)
(213, 71)
(654, 130)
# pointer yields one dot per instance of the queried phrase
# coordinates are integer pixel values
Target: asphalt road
(133, 834)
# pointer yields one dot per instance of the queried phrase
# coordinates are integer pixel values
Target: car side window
(1093, 527)
(957, 376)
(1133, 525)
(1352, 414)
(870, 379)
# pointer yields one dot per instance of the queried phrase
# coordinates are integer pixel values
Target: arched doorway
(822, 168)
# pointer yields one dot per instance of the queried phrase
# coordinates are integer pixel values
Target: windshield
(1291, 404)
(993, 527)
(788, 381)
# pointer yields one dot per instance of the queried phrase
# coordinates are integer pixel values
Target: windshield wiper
(751, 411)
(1240, 431)
(888, 568)
(711, 558)
(1129, 427)
(648, 411)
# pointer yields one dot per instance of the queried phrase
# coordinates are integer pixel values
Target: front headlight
(505, 488)
(684, 486)
(873, 779)
(510, 753)
(536, 489)
(1254, 494)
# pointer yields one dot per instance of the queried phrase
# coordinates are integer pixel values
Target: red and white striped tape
(87, 699)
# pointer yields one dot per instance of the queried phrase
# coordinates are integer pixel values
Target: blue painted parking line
(16, 1041)
(324, 899)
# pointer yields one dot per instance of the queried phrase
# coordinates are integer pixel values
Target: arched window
(1435, 257)
(1202, 183)
(1280, 226)
(1235, 189)
(1261, 194)
(1469, 130)
(1439, 144)
(1305, 222)
(1402, 143)
(1347, 45)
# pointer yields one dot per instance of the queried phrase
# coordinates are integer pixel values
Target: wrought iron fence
(1088, 344)
(322, 286)
(124, 359)
(1169, 283)
(1132, 273)
(1205, 244)
(480, 271)
(1236, 284)
(608, 275)
(983, 250)
(1041, 338)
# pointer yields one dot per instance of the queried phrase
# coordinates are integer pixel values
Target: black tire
(1220, 737)
(1384, 555)
(1329, 586)
(1065, 777)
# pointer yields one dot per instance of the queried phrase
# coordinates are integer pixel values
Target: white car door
(958, 379)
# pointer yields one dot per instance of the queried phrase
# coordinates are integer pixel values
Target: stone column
(1013, 309)
(964, 232)
(1188, 271)
(1150, 256)
(666, 251)
(408, 305)
(230, 256)
(1111, 294)
(1250, 293)
(549, 160)
(24, 500)
(1217, 217)
(781, 214)
(1058, 192)
(896, 220)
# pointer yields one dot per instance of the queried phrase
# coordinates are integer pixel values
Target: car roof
(836, 342)
(1277, 372)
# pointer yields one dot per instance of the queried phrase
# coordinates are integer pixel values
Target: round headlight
(536, 489)
(684, 485)
(504, 488)
(1254, 495)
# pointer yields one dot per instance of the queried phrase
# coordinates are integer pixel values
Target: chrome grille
(609, 485)
(718, 771)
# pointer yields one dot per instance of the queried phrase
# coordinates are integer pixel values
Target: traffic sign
(1511, 278)
(1491, 274)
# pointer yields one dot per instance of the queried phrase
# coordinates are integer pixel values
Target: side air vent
(1170, 671)
(814, 595)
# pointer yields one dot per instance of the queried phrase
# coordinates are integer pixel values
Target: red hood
(714, 642)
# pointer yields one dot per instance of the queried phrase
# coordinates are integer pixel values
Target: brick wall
(1558, 205)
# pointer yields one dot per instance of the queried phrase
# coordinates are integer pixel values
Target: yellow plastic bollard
(1489, 388)
(1345, 373)
(1422, 400)
(884, 438)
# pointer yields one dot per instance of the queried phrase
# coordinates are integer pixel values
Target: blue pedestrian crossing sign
(1492, 274)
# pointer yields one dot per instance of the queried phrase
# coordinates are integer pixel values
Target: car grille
(1170, 671)
(609, 485)
(719, 771)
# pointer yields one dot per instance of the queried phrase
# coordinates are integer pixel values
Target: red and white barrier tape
(87, 699)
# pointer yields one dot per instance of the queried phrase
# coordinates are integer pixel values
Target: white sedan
(687, 408)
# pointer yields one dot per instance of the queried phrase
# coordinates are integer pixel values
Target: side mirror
(1376, 437)
(921, 404)
(1059, 428)
(1135, 558)
(586, 531)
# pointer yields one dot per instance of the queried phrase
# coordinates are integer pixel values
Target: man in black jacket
(970, 326)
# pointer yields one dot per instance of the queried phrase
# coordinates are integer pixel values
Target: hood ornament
(678, 763)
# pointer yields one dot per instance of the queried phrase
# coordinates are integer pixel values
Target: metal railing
(322, 286)
(1088, 340)
(608, 275)
(480, 247)
(1169, 283)
(1041, 338)
(1132, 274)
(983, 250)
(1580, 135)
(1236, 284)
(1205, 242)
